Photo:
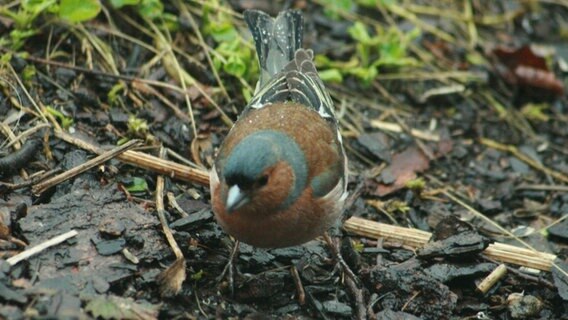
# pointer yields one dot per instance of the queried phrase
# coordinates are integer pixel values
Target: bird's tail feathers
(276, 40)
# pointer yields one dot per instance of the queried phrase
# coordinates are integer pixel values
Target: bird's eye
(263, 180)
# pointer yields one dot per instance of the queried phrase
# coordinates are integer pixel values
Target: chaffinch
(279, 178)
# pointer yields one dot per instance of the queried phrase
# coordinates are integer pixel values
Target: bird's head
(265, 169)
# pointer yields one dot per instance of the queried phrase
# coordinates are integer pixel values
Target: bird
(280, 176)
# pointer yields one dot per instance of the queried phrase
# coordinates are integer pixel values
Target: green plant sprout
(65, 121)
(386, 49)
(233, 54)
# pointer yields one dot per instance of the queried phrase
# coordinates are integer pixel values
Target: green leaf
(6, 57)
(358, 246)
(368, 3)
(138, 185)
(170, 21)
(332, 8)
(323, 62)
(198, 275)
(331, 75)
(18, 36)
(367, 75)
(79, 10)
(536, 111)
(235, 66)
(29, 72)
(217, 63)
(113, 307)
(476, 58)
(66, 122)
(137, 126)
(114, 92)
(117, 4)
(151, 9)
(417, 184)
(358, 32)
(221, 32)
(247, 94)
(35, 7)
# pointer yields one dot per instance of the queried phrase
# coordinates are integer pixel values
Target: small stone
(108, 247)
(523, 307)
(110, 228)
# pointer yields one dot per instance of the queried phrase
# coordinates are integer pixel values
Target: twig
(547, 265)
(143, 87)
(410, 300)
(27, 93)
(357, 294)
(40, 247)
(226, 119)
(146, 161)
(299, 286)
(555, 222)
(10, 135)
(372, 301)
(173, 202)
(228, 270)
(130, 256)
(393, 127)
(195, 27)
(172, 278)
(46, 184)
(403, 13)
(424, 148)
(417, 238)
(523, 157)
(173, 67)
(543, 187)
(471, 28)
(536, 279)
(427, 152)
(160, 181)
(27, 133)
(492, 279)
(38, 176)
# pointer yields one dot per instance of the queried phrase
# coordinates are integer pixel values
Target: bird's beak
(236, 198)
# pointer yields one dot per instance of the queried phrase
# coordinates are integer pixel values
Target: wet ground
(460, 129)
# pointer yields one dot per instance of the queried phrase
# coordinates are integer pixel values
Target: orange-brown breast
(307, 217)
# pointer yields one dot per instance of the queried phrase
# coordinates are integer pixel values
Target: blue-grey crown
(260, 151)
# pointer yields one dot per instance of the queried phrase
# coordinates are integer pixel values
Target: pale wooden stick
(172, 278)
(417, 238)
(299, 286)
(492, 279)
(160, 211)
(48, 183)
(40, 247)
(142, 160)
(175, 205)
(27, 133)
(395, 127)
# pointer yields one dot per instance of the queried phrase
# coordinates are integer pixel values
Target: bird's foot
(336, 253)
(227, 273)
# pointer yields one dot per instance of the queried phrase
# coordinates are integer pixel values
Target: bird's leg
(352, 281)
(336, 252)
(228, 270)
(299, 286)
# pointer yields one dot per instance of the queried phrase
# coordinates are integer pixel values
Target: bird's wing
(298, 82)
